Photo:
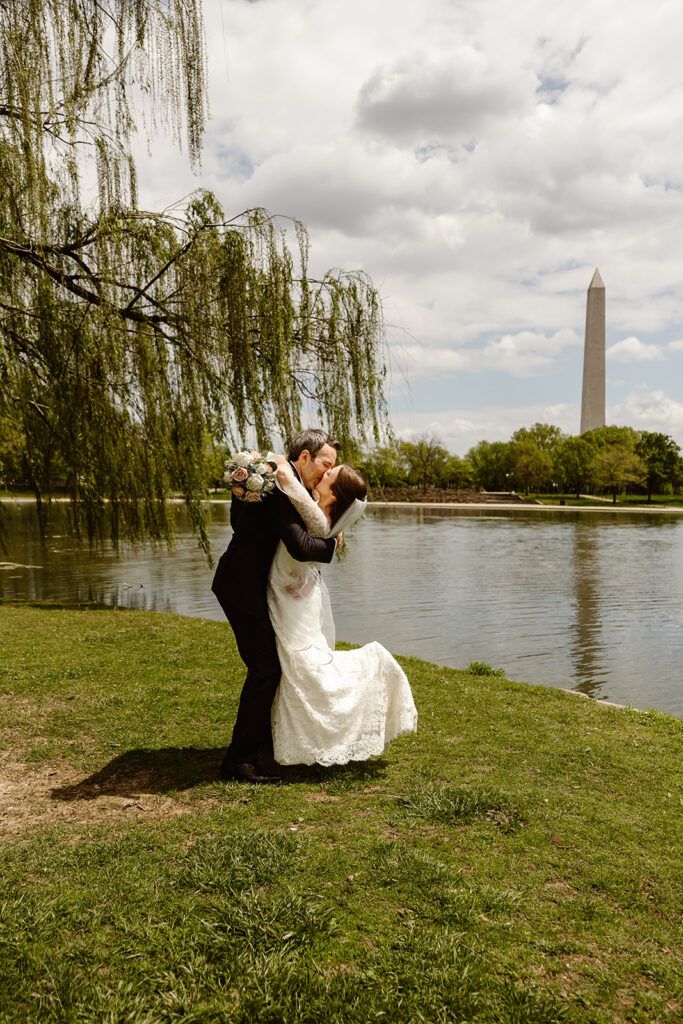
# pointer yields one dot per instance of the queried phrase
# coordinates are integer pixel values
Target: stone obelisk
(593, 395)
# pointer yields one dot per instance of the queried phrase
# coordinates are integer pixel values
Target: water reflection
(585, 645)
(592, 601)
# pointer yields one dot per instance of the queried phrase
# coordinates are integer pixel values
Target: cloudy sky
(479, 159)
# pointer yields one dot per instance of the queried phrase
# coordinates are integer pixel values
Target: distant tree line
(541, 458)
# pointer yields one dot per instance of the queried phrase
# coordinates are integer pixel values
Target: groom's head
(313, 452)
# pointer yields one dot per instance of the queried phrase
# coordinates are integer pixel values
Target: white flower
(255, 482)
(263, 468)
(242, 459)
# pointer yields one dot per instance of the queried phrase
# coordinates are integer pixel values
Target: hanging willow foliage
(129, 341)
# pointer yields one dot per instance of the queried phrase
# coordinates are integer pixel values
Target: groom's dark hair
(310, 441)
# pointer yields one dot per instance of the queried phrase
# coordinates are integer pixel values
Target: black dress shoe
(244, 771)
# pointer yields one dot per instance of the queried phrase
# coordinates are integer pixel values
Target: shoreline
(450, 505)
(67, 606)
(524, 506)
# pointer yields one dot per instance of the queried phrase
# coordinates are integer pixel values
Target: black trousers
(256, 644)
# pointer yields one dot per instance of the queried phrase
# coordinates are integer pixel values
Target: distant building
(593, 395)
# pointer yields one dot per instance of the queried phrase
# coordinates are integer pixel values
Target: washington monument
(593, 395)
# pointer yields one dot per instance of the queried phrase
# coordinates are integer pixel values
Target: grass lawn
(518, 860)
(658, 500)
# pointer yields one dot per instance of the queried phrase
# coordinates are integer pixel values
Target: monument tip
(597, 281)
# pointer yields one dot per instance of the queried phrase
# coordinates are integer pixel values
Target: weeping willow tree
(130, 341)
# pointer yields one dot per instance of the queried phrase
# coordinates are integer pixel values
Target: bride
(331, 706)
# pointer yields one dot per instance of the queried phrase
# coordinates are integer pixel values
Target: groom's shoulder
(279, 503)
(274, 511)
(271, 506)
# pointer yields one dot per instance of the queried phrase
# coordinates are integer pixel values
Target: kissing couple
(314, 704)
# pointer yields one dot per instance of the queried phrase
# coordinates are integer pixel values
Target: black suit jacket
(242, 572)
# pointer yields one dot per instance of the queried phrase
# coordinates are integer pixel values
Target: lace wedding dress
(331, 706)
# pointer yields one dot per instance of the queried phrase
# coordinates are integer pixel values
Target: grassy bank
(515, 861)
(623, 500)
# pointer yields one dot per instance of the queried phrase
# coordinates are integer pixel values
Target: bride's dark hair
(346, 487)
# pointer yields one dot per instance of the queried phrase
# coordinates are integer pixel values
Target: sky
(478, 159)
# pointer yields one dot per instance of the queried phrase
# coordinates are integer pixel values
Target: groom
(240, 586)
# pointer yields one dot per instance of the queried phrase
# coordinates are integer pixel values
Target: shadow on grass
(180, 768)
(147, 771)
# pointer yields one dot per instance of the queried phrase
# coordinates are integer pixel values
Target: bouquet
(250, 475)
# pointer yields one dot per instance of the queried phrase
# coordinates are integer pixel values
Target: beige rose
(238, 492)
(239, 475)
(251, 496)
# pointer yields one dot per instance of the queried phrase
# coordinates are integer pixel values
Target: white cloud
(448, 95)
(633, 350)
(528, 352)
(479, 160)
(676, 346)
(650, 410)
(525, 354)
(459, 430)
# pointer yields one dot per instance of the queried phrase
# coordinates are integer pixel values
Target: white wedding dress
(331, 707)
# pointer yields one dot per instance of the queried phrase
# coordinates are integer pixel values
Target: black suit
(240, 586)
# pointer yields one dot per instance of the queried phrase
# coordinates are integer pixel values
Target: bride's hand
(284, 473)
(275, 457)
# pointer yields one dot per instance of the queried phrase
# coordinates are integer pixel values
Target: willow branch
(70, 282)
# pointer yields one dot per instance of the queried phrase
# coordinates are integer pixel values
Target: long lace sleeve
(316, 522)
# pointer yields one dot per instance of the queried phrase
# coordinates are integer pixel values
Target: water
(590, 601)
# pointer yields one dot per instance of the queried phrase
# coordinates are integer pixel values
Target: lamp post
(554, 486)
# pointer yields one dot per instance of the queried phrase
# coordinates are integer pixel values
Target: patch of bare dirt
(322, 798)
(36, 796)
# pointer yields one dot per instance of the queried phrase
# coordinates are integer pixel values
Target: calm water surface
(590, 601)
